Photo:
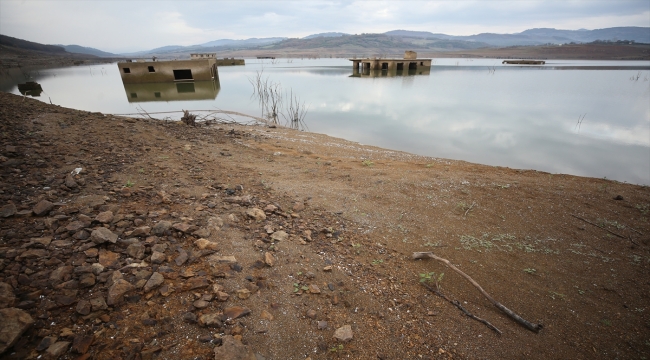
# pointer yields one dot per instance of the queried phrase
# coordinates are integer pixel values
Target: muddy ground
(229, 242)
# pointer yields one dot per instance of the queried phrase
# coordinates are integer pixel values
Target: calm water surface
(589, 118)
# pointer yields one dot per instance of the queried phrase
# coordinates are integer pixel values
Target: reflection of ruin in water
(172, 91)
(30, 88)
(367, 73)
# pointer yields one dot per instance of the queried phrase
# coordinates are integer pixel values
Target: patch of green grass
(129, 183)
(432, 278)
(367, 163)
(612, 223)
(377, 262)
(336, 348)
(530, 271)
(643, 208)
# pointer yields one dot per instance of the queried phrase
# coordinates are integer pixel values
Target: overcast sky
(131, 25)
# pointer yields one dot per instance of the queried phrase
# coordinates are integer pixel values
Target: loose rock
(14, 323)
(344, 333)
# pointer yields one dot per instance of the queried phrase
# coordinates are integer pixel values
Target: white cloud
(139, 24)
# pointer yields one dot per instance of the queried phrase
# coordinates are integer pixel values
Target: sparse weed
(431, 277)
(129, 183)
(367, 163)
(530, 271)
(377, 262)
(643, 208)
(556, 294)
(336, 348)
(612, 223)
(465, 208)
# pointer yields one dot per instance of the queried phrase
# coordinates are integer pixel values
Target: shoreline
(259, 240)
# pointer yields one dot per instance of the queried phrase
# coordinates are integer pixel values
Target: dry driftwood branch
(461, 308)
(609, 231)
(517, 318)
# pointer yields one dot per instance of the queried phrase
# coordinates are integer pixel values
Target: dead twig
(530, 326)
(461, 308)
(609, 231)
(469, 208)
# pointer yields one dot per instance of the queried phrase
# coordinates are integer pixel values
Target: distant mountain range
(405, 39)
(541, 36)
(391, 41)
(76, 49)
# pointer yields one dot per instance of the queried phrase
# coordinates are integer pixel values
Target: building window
(151, 69)
(156, 94)
(126, 70)
(134, 95)
(185, 74)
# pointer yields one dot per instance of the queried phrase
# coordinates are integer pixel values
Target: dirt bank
(303, 235)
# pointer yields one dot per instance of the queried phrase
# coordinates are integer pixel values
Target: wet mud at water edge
(127, 238)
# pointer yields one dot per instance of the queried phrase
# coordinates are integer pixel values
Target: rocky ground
(129, 238)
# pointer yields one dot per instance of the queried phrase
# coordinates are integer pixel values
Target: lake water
(588, 118)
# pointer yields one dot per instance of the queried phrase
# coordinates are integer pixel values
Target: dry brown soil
(358, 210)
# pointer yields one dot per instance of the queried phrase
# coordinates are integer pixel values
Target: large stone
(61, 274)
(235, 312)
(84, 307)
(34, 254)
(87, 280)
(57, 349)
(102, 235)
(202, 233)
(157, 257)
(104, 217)
(70, 182)
(136, 251)
(75, 226)
(160, 228)
(203, 244)
(215, 260)
(98, 303)
(14, 323)
(344, 333)
(141, 231)
(81, 343)
(279, 236)
(7, 296)
(184, 227)
(42, 208)
(7, 210)
(256, 214)
(269, 259)
(210, 320)
(154, 281)
(117, 291)
(108, 258)
(182, 257)
(233, 349)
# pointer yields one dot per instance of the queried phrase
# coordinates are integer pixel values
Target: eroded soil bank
(228, 242)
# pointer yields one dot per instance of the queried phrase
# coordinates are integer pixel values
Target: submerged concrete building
(198, 68)
(409, 62)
